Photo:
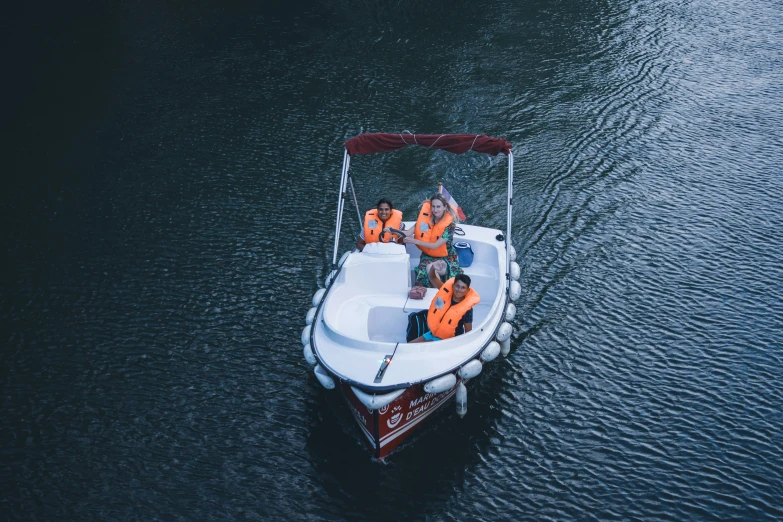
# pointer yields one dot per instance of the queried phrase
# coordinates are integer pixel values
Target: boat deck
(365, 313)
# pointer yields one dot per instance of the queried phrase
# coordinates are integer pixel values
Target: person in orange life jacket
(433, 235)
(377, 220)
(451, 311)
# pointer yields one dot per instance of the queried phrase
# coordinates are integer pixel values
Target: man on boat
(377, 221)
(451, 311)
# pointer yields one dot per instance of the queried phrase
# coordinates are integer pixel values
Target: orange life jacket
(443, 317)
(373, 226)
(429, 233)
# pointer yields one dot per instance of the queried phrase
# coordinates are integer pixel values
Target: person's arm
(398, 239)
(418, 242)
(401, 240)
(468, 318)
(442, 240)
(408, 233)
(360, 242)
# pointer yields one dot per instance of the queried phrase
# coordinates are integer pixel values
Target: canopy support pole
(356, 204)
(340, 204)
(509, 208)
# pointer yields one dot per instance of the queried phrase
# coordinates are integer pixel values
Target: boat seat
(481, 270)
(383, 316)
(378, 317)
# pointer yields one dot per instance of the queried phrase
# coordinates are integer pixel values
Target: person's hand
(409, 241)
(439, 267)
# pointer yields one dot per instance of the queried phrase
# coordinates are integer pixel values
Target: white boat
(355, 335)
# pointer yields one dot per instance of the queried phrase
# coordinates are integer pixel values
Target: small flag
(453, 203)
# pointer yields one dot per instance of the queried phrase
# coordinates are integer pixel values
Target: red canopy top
(454, 143)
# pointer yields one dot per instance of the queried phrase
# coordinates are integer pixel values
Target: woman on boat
(433, 234)
(451, 311)
(380, 219)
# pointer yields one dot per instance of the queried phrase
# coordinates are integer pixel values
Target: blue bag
(464, 253)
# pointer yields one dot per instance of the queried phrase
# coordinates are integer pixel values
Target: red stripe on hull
(387, 427)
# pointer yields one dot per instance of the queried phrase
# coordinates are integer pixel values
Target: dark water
(171, 177)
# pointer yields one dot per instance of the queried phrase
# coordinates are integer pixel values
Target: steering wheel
(399, 233)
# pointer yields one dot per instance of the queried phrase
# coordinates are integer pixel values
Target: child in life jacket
(451, 311)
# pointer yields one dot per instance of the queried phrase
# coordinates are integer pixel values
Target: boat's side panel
(363, 416)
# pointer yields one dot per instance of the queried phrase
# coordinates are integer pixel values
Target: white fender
(309, 355)
(306, 334)
(491, 352)
(514, 290)
(505, 347)
(512, 252)
(515, 270)
(470, 370)
(462, 400)
(374, 402)
(441, 384)
(511, 312)
(310, 317)
(342, 259)
(323, 377)
(504, 332)
(330, 277)
(318, 296)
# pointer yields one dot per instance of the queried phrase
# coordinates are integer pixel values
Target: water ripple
(152, 367)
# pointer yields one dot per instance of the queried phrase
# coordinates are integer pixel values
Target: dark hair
(462, 277)
(384, 200)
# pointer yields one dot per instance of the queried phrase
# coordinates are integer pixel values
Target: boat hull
(385, 428)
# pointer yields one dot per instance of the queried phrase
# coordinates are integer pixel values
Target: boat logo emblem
(395, 418)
